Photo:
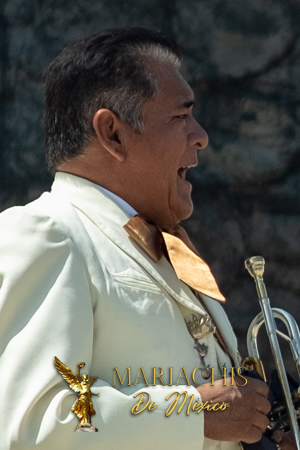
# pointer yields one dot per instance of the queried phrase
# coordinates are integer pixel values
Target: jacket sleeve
(45, 311)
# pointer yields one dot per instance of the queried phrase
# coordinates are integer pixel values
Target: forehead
(172, 87)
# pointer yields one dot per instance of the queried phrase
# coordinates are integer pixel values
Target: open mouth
(182, 172)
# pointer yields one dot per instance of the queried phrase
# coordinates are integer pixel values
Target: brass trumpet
(255, 267)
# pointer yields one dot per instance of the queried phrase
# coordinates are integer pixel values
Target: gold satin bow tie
(186, 261)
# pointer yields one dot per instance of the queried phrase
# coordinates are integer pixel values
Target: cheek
(164, 186)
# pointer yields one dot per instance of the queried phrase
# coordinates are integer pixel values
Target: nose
(197, 138)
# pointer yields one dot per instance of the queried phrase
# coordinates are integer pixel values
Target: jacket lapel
(221, 320)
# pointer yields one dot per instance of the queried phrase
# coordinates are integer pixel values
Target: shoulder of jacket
(28, 219)
(50, 218)
(46, 219)
(66, 218)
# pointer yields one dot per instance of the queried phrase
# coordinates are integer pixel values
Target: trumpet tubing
(255, 267)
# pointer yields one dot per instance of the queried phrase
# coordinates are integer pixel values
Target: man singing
(99, 270)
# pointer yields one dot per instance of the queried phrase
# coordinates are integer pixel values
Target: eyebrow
(187, 104)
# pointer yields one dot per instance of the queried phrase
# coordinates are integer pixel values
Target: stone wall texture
(242, 60)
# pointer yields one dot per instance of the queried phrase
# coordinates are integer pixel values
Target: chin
(175, 213)
(186, 215)
(184, 210)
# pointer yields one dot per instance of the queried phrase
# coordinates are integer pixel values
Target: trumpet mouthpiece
(255, 266)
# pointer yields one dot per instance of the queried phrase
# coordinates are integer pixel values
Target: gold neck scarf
(186, 261)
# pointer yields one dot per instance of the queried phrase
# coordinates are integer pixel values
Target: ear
(107, 127)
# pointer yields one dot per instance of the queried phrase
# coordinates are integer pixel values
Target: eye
(181, 116)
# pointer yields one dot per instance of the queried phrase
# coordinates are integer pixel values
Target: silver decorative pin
(198, 328)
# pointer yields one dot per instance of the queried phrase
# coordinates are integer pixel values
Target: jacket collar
(86, 197)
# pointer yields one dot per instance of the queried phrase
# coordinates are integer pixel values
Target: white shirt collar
(119, 201)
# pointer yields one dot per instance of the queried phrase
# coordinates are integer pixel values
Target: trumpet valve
(254, 363)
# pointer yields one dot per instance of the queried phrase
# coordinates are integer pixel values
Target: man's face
(162, 153)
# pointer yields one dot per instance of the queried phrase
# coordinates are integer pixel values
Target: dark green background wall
(242, 60)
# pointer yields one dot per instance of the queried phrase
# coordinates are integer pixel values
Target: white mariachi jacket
(73, 285)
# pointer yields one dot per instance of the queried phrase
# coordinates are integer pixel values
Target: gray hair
(126, 105)
(106, 70)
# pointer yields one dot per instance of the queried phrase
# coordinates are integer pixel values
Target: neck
(125, 186)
